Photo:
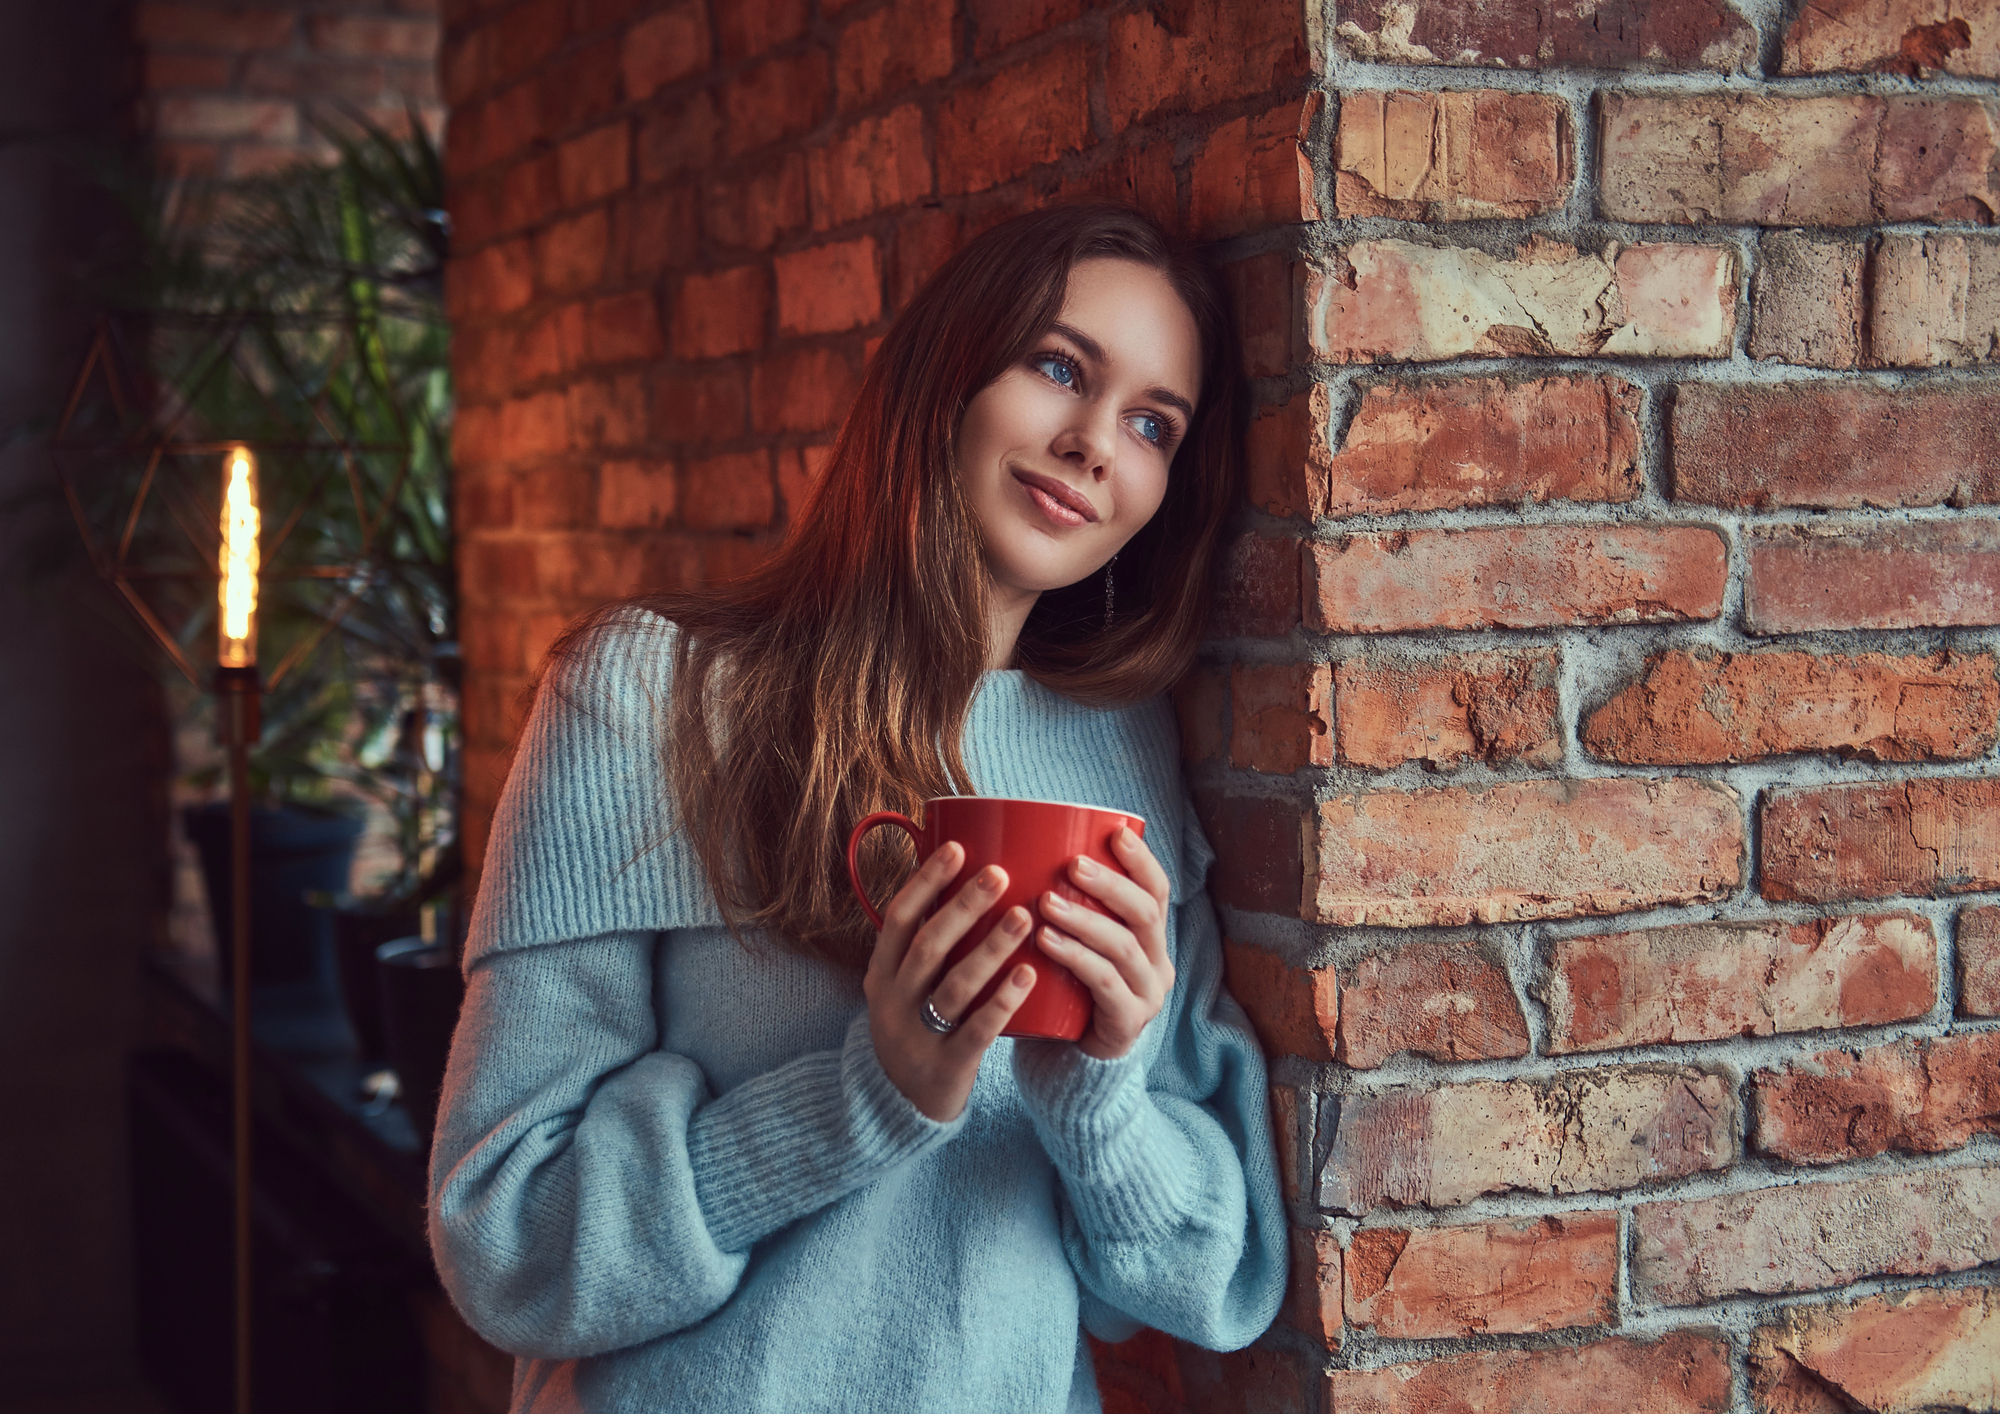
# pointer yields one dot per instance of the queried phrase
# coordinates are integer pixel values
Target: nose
(1088, 440)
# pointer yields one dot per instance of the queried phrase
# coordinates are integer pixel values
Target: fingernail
(989, 880)
(1086, 866)
(1125, 835)
(1055, 903)
(1016, 921)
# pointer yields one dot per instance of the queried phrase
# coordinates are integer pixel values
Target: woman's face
(1065, 455)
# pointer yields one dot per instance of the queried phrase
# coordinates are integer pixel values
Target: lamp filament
(238, 562)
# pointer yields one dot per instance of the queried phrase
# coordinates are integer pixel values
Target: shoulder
(614, 664)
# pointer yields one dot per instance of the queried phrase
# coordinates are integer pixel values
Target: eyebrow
(1095, 352)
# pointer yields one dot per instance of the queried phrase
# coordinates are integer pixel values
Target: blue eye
(1056, 368)
(1150, 428)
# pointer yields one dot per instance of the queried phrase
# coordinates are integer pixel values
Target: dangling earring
(1109, 590)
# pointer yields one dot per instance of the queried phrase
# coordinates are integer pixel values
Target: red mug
(1034, 841)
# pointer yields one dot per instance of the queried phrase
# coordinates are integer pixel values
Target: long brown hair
(835, 679)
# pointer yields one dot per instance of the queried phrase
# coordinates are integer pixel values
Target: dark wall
(83, 757)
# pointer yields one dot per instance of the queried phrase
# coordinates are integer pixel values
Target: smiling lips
(1060, 503)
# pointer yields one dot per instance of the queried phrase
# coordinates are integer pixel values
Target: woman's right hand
(936, 1072)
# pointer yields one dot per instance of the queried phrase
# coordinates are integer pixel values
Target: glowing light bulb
(237, 629)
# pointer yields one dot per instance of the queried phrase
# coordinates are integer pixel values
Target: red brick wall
(1603, 766)
(1599, 730)
(227, 89)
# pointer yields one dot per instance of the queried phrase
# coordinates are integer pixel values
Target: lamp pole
(238, 698)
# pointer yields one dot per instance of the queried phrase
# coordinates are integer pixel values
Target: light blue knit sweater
(670, 1174)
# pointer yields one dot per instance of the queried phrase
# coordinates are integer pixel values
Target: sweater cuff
(1125, 1166)
(790, 1142)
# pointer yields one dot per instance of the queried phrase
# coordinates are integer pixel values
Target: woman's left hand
(1121, 959)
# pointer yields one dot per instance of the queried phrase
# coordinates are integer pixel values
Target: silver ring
(937, 1023)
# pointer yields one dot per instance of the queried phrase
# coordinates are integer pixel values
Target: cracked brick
(1925, 1097)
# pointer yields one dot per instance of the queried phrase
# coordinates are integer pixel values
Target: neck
(1006, 612)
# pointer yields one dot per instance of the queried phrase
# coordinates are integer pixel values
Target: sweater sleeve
(589, 1191)
(1170, 1207)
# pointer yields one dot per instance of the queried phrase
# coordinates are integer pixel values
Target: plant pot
(421, 992)
(293, 851)
(357, 933)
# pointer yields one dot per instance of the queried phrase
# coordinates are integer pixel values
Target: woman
(709, 1141)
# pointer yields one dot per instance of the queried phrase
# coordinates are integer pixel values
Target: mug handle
(880, 817)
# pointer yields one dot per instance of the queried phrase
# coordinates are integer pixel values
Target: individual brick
(1030, 113)
(731, 492)
(1443, 712)
(777, 99)
(1623, 34)
(1979, 961)
(876, 164)
(1828, 844)
(899, 47)
(747, 28)
(223, 118)
(1257, 848)
(1280, 717)
(1910, 37)
(1254, 171)
(1810, 1236)
(1200, 699)
(571, 256)
(665, 47)
(721, 313)
(635, 495)
(1257, 587)
(1494, 1278)
(1314, 1302)
(1266, 292)
(1393, 301)
(1200, 55)
(1450, 444)
(616, 329)
(1515, 577)
(1936, 301)
(1521, 850)
(534, 426)
(1448, 1001)
(1460, 156)
(1710, 981)
(1836, 445)
(1285, 1136)
(1916, 1097)
(1838, 160)
(1895, 1354)
(802, 390)
(828, 288)
(1579, 1132)
(1922, 574)
(712, 405)
(1295, 1011)
(678, 138)
(1701, 707)
(1808, 302)
(496, 280)
(1286, 456)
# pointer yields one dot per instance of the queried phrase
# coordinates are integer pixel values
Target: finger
(1138, 907)
(1107, 937)
(1140, 862)
(906, 910)
(978, 1031)
(966, 978)
(921, 963)
(1108, 985)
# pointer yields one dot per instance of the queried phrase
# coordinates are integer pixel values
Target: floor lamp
(244, 549)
